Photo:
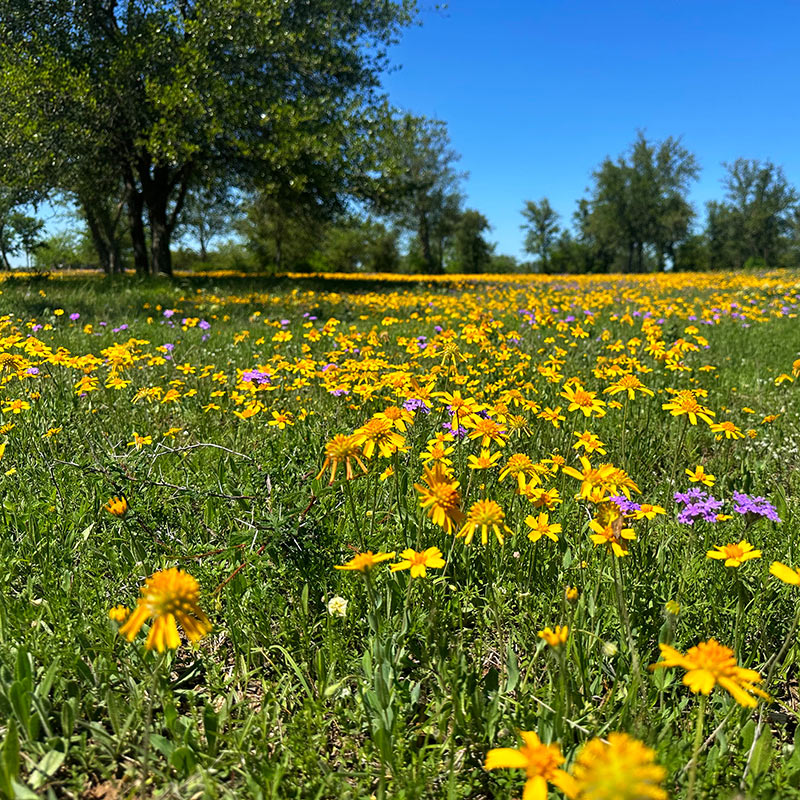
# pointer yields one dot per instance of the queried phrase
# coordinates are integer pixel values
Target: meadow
(422, 538)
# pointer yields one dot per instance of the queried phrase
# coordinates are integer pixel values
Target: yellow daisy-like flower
(486, 460)
(709, 664)
(685, 402)
(630, 384)
(623, 769)
(342, 449)
(485, 515)
(594, 481)
(361, 562)
(168, 597)
(726, 429)
(582, 400)
(540, 761)
(541, 526)
(555, 637)
(518, 466)
(118, 506)
(790, 575)
(419, 562)
(441, 498)
(119, 613)
(734, 554)
(613, 535)
(379, 433)
(699, 475)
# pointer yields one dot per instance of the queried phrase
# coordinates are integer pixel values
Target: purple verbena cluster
(255, 376)
(625, 506)
(754, 506)
(416, 404)
(697, 504)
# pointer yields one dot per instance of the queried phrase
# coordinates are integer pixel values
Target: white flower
(337, 606)
(609, 649)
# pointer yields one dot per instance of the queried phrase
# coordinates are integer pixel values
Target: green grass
(404, 695)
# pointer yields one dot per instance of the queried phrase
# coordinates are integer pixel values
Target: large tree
(759, 211)
(253, 91)
(471, 252)
(417, 185)
(640, 201)
(541, 230)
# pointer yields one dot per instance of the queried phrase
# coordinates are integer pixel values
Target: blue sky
(537, 93)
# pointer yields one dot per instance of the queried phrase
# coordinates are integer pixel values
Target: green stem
(698, 743)
(626, 622)
(148, 721)
(349, 494)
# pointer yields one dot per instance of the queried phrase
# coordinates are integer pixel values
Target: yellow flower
(117, 506)
(709, 664)
(138, 441)
(361, 562)
(685, 402)
(612, 534)
(16, 406)
(419, 562)
(555, 638)
(118, 613)
(541, 526)
(592, 479)
(571, 594)
(728, 429)
(581, 400)
(672, 607)
(734, 554)
(540, 761)
(485, 460)
(552, 415)
(12, 362)
(485, 515)
(342, 449)
(378, 433)
(518, 466)
(441, 498)
(280, 419)
(168, 596)
(790, 575)
(589, 442)
(699, 475)
(648, 511)
(630, 384)
(623, 769)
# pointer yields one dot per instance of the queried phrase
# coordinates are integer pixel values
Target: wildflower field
(511, 537)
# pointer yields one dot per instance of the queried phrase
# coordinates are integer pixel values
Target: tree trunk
(4, 263)
(138, 237)
(98, 240)
(425, 243)
(160, 234)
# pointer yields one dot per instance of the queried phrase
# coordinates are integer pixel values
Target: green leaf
(47, 767)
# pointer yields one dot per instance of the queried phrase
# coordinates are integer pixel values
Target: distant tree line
(637, 217)
(255, 135)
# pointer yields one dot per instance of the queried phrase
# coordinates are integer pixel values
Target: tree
(640, 201)
(207, 215)
(760, 207)
(416, 184)
(166, 90)
(28, 230)
(471, 252)
(541, 229)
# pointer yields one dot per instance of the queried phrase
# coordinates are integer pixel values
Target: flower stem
(349, 494)
(698, 743)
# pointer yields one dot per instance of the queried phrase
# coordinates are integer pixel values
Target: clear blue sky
(537, 93)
